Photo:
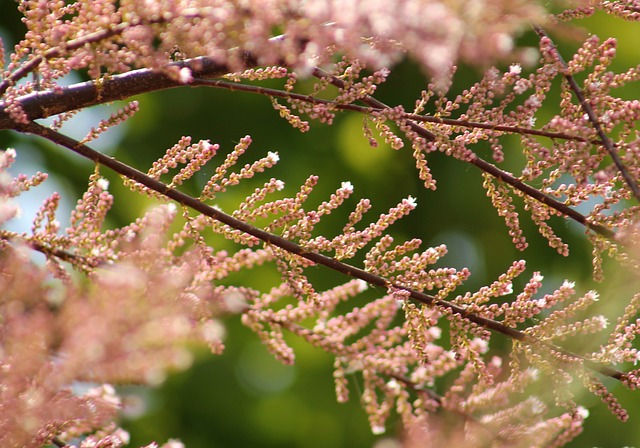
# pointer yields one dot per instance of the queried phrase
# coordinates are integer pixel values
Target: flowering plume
(120, 305)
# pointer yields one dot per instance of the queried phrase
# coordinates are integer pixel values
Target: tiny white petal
(394, 385)
(604, 322)
(185, 76)
(273, 157)
(122, 435)
(103, 183)
(508, 289)
(347, 186)
(362, 285)
(515, 69)
(583, 412)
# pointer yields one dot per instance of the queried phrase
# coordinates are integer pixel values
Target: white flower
(515, 69)
(185, 76)
(394, 386)
(411, 201)
(122, 435)
(362, 285)
(103, 183)
(347, 186)
(603, 321)
(583, 412)
(273, 157)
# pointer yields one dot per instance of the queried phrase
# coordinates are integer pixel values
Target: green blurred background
(244, 397)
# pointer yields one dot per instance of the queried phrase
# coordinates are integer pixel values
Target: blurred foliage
(244, 397)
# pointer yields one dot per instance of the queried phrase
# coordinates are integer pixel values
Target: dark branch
(293, 248)
(112, 88)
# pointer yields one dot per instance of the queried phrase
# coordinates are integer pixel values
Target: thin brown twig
(593, 118)
(48, 251)
(488, 167)
(232, 86)
(59, 442)
(295, 249)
